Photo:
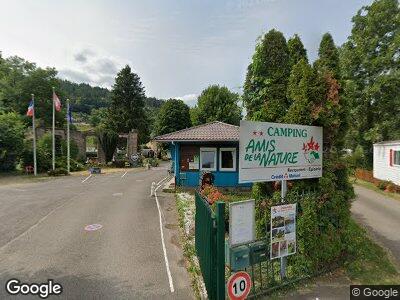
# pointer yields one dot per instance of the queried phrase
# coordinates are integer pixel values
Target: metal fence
(217, 262)
(209, 243)
(264, 271)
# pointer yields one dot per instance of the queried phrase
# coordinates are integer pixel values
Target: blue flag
(69, 115)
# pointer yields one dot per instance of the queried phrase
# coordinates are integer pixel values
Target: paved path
(42, 236)
(381, 216)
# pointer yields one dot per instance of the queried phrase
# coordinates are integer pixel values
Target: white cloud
(189, 99)
(89, 66)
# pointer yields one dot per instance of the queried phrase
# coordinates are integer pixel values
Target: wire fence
(265, 272)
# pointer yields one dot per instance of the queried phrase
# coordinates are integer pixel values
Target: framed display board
(241, 222)
(283, 230)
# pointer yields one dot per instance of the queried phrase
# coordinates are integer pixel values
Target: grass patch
(186, 211)
(372, 187)
(369, 263)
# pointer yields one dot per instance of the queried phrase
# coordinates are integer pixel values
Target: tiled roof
(214, 131)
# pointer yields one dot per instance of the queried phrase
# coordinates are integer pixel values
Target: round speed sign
(239, 285)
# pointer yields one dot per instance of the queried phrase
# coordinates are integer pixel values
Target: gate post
(220, 247)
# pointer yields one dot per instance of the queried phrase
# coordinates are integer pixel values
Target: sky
(177, 47)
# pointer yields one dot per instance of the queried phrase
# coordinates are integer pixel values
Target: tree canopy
(297, 51)
(267, 76)
(370, 64)
(173, 116)
(328, 56)
(12, 132)
(217, 103)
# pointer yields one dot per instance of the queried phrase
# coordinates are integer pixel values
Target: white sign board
(273, 151)
(283, 230)
(241, 222)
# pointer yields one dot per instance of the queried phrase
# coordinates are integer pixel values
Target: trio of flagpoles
(56, 106)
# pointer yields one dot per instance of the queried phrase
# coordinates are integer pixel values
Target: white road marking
(87, 178)
(139, 180)
(161, 180)
(171, 283)
(117, 194)
(124, 174)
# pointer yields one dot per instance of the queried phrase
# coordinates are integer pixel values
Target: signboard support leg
(283, 259)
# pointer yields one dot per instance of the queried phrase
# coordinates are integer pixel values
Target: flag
(69, 115)
(30, 111)
(57, 102)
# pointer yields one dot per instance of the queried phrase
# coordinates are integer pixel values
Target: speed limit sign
(239, 285)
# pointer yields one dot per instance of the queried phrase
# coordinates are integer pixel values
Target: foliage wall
(281, 86)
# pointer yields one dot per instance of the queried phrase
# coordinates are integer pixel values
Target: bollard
(153, 187)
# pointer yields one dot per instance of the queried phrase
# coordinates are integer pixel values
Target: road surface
(381, 216)
(42, 237)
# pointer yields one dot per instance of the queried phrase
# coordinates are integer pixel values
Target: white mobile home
(387, 161)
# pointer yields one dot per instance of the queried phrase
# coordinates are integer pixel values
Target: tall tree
(267, 76)
(19, 79)
(328, 56)
(173, 115)
(217, 103)
(297, 51)
(370, 63)
(304, 91)
(127, 104)
(11, 140)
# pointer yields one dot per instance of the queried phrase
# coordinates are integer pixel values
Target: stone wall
(79, 138)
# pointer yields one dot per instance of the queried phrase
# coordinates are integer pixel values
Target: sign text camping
(273, 151)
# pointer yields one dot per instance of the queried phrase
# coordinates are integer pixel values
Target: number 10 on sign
(239, 285)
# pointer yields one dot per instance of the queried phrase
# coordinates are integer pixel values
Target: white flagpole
(34, 136)
(54, 141)
(68, 149)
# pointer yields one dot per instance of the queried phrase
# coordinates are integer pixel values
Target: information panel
(274, 151)
(283, 230)
(241, 222)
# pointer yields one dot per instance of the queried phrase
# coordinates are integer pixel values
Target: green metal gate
(209, 242)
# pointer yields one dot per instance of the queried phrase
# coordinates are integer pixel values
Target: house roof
(396, 142)
(211, 132)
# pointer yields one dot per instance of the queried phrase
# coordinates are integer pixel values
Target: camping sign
(274, 151)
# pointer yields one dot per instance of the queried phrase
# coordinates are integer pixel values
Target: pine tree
(296, 50)
(127, 104)
(328, 56)
(267, 78)
(304, 90)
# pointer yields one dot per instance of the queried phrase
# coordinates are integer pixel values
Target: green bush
(74, 150)
(153, 162)
(119, 163)
(12, 132)
(383, 184)
(43, 158)
(57, 172)
(61, 162)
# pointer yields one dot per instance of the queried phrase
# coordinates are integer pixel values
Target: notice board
(241, 222)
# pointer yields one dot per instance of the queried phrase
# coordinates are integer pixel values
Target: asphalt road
(42, 237)
(381, 216)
